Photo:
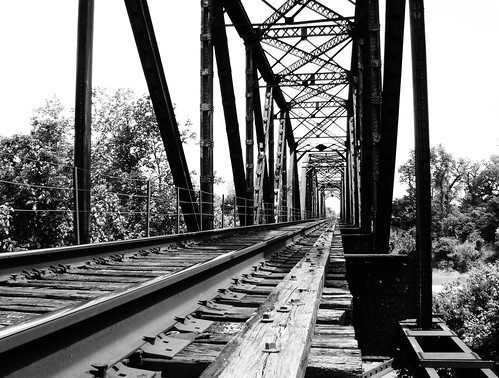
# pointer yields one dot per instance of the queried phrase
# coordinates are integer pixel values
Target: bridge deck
(272, 327)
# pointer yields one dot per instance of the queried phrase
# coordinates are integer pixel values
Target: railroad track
(77, 308)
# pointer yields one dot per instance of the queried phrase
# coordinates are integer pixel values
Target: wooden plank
(327, 362)
(69, 285)
(330, 316)
(336, 342)
(34, 292)
(292, 331)
(191, 361)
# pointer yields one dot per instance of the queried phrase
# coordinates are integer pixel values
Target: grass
(440, 277)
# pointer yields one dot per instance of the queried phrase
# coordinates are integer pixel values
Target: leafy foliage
(472, 310)
(128, 157)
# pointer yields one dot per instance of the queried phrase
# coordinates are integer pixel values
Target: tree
(448, 178)
(36, 195)
(129, 152)
(36, 174)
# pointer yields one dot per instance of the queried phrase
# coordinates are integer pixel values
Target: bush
(442, 249)
(472, 310)
(464, 256)
(402, 242)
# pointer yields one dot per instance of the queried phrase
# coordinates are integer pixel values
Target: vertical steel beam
(83, 119)
(394, 43)
(250, 160)
(422, 157)
(280, 169)
(373, 55)
(145, 39)
(229, 105)
(284, 183)
(362, 116)
(259, 206)
(206, 115)
(291, 187)
(268, 182)
(296, 203)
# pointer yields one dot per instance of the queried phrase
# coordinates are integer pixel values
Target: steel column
(373, 63)
(229, 106)
(394, 43)
(145, 39)
(250, 160)
(269, 193)
(83, 120)
(422, 157)
(280, 170)
(206, 121)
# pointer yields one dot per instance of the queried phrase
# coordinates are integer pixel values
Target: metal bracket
(164, 346)
(119, 370)
(212, 308)
(230, 295)
(191, 324)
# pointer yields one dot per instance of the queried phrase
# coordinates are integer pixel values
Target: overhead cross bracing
(308, 46)
(298, 56)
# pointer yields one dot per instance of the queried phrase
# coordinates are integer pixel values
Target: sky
(38, 44)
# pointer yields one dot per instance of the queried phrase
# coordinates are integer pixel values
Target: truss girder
(303, 32)
(307, 42)
(314, 56)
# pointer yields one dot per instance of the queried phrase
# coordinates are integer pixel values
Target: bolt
(101, 370)
(13, 276)
(271, 347)
(267, 317)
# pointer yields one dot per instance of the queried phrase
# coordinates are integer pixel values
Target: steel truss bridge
(321, 109)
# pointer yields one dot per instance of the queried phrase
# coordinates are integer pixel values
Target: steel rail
(11, 262)
(19, 337)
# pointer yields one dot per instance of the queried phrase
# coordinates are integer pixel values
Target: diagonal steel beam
(236, 12)
(314, 56)
(229, 104)
(145, 39)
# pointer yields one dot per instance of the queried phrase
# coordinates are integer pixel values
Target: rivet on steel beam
(271, 347)
(101, 370)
